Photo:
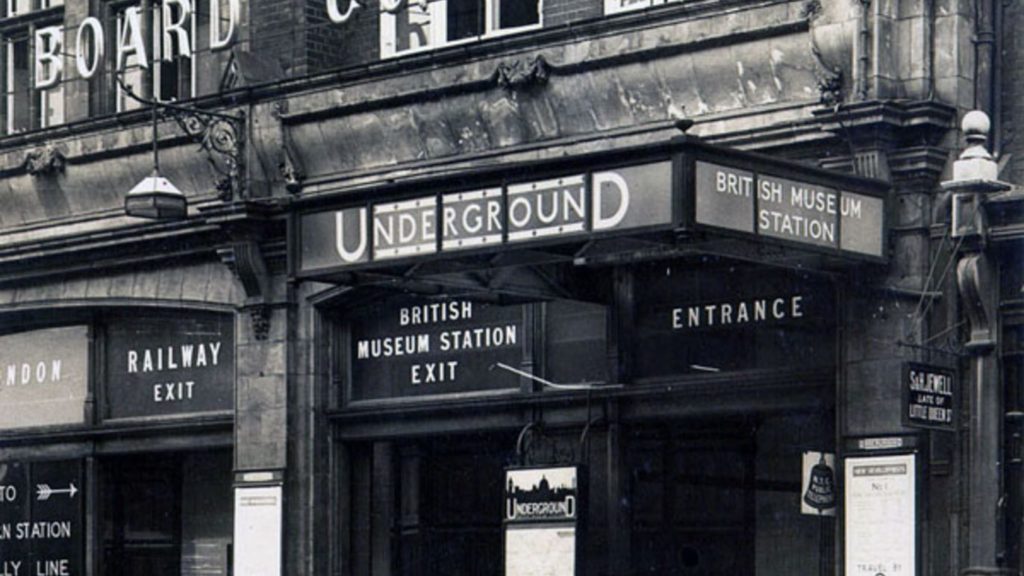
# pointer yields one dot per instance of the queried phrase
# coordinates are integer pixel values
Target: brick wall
(276, 29)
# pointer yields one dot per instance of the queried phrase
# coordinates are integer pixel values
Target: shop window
(15, 8)
(616, 6)
(576, 342)
(416, 25)
(167, 515)
(431, 507)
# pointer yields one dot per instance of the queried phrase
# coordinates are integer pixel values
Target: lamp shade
(156, 197)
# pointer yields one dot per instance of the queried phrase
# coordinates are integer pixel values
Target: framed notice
(881, 512)
(929, 397)
(42, 518)
(44, 376)
(542, 521)
(171, 366)
(258, 530)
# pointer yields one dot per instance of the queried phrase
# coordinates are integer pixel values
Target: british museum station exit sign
(685, 185)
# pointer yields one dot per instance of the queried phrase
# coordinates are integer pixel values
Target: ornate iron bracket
(219, 135)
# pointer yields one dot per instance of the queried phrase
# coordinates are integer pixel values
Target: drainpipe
(862, 59)
(987, 69)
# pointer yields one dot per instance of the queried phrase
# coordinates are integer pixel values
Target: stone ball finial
(976, 126)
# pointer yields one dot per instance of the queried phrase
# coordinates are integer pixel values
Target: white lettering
(49, 64)
(130, 39)
(336, 15)
(95, 47)
(218, 39)
(176, 28)
(339, 227)
(614, 181)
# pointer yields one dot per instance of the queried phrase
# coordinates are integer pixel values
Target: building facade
(595, 287)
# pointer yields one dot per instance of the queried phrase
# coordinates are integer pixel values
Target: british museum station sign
(685, 185)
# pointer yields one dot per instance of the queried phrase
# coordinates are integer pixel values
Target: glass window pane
(464, 19)
(516, 14)
(18, 88)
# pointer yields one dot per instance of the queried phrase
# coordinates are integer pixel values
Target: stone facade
(872, 89)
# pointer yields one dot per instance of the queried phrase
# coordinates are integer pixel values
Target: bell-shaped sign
(818, 488)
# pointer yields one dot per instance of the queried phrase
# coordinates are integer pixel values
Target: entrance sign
(542, 518)
(258, 530)
(880, 510)
(177, 365)
(624, 198)
(42, 518)
(929, 397)
(44, 377)
(410, 346)
(725, 320)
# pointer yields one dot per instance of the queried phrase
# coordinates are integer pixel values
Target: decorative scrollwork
(223, 137)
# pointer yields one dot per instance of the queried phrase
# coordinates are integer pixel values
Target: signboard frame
(761, 165)
(78, 403)
(916, 465)
(578, 523)
(346, 395)
(46, 491)
(227, 364)
(681, 152)
(906, 393)
(273, 489)
(490, 178)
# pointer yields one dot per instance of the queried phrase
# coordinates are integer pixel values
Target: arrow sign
(43, 491)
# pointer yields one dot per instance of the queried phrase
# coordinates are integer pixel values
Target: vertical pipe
(860, 52)
(984, 55)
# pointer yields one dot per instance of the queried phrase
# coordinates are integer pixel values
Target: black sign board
(177, 365)
(409, 346)
(731, 319)
(929, 397)
(42, 518)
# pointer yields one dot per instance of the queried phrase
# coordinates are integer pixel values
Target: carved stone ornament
(246, 260)
(259, 316)
(523, 74)
(44, 160)
(291, 172)
(975, 279)
(829, 79)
